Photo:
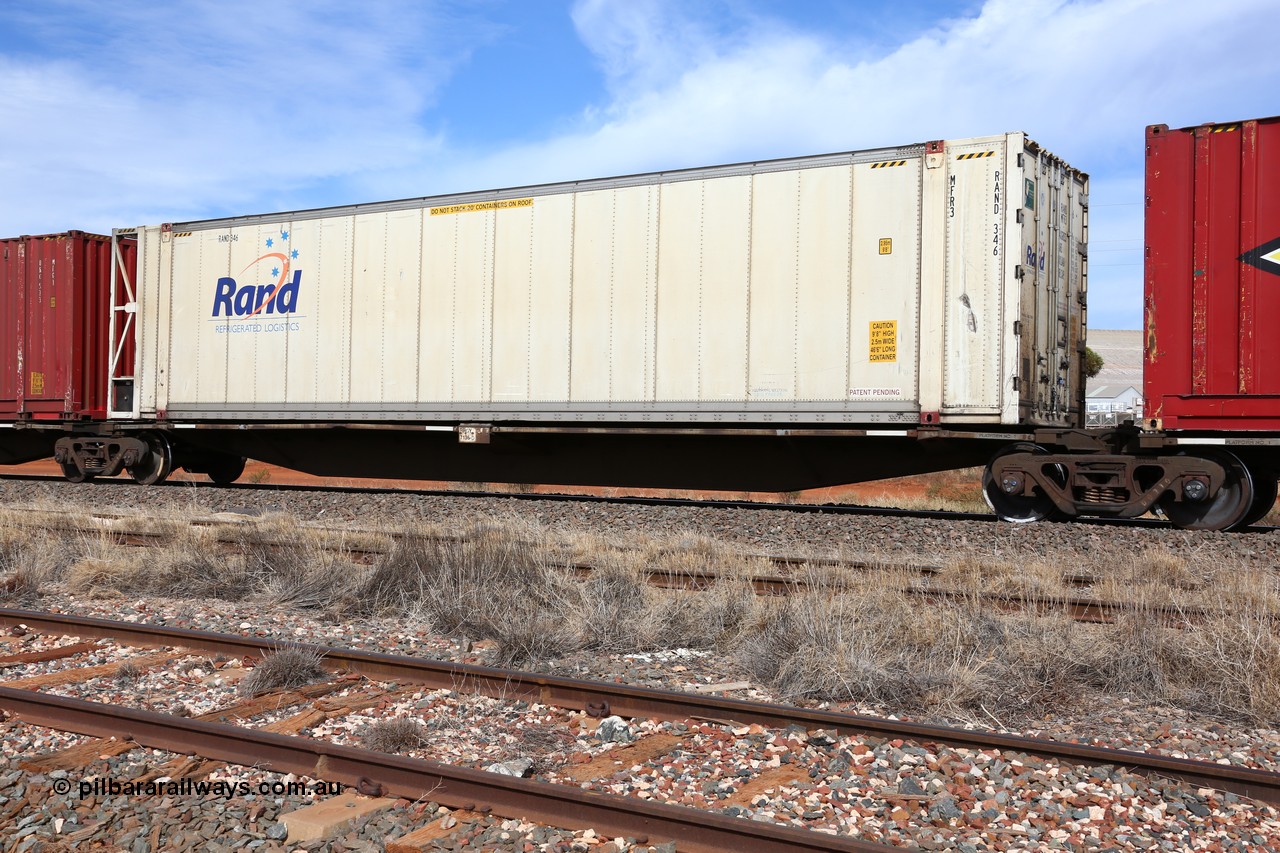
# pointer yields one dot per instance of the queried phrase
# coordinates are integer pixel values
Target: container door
(51, 371)
(1053, 230)
(976, 186)
(1236, 260)
(13, 256)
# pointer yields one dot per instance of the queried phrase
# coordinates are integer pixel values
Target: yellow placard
(37, 384)
(482, 205)
(883, 341)
(886, 245)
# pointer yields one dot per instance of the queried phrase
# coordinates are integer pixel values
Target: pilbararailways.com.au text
(192, 788)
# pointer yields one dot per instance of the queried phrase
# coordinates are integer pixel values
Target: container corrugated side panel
(57, 302)
(13, 254)
(1212, 277)
(754, 311)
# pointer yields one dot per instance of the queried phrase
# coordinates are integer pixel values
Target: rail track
(376, 773)
(596, 698)
(796, 573)
(416, 779)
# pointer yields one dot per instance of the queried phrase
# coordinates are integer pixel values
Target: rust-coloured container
(54, 310)
(1212, 354)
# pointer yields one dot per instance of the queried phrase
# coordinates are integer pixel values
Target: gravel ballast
(763, 529)
(921, 794)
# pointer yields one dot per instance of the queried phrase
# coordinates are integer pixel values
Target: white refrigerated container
(937, 283)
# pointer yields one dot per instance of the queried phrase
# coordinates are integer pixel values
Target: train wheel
(1265, 490)
(1227, 508)
(159, 462)
(226, 470)
(1019, 509)
(73, 473)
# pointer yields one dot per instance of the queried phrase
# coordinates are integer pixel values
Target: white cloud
(639, 45)
(191, 110)
(1083, 78)
(187, 109)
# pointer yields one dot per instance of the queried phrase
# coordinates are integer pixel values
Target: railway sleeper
(1206, 490)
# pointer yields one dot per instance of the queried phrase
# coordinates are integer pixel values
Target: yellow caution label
(482, 205)
(883, 344)
(886, 245)
(976, 154)
(37, 384)
(888, 164)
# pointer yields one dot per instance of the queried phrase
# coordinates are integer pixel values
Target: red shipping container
(54, 311)
(1212, 353)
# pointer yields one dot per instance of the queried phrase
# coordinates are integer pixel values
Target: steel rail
(557, 805)
(1095, 610)
(129, 536)
(601, 698)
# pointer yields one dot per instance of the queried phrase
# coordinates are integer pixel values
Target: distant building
(1115, 394)
(1112, 404)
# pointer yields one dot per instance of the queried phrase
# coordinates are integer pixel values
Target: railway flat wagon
(724, 327)
(54, 354)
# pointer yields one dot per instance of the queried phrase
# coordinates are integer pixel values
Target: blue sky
(128, 114)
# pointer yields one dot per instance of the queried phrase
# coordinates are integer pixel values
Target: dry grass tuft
(615, 601)
(30, 561)
(871, 643)
(1228, 665)
(281, 670)
(193, 565)
(101, 577)
(495, 583)
(1032, 578)
(299, 568)
(128, 672)
(189, 565)
(1154, 576)
(1238, 660)
(396, 735)
(848, 635)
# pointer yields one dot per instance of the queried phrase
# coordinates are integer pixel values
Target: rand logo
(237, 301)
